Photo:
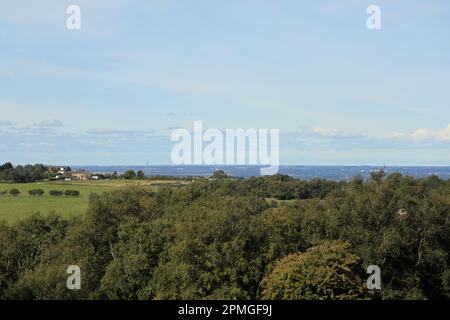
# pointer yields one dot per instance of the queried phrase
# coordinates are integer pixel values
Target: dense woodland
(260, 238)
(22, 174)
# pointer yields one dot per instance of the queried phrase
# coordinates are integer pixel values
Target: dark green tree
(140, 175)
(14, 192)
(130, 174)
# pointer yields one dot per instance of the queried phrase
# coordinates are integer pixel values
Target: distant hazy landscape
(13, 209)
(340, 173)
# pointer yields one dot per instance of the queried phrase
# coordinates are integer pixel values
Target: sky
(112, 92)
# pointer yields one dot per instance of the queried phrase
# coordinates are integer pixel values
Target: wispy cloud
(35, 139)
(49, 124)
(425, 135)
(121, 132)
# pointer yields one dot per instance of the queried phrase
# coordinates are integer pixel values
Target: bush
(55, 193)
(72, 193)
(327, 271)
(14, 192)
(36, 192)
(2, 193)
(129, 175)
(140, 175)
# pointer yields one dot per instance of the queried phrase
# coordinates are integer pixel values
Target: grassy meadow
(15, 208)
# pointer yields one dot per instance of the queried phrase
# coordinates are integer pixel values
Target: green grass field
(16, 208)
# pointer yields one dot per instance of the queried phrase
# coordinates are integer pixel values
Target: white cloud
(444, 134)
(424, 135)
(49, 124)
(321, 132)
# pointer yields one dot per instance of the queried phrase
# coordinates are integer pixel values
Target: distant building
(59, 170)
(81, 175)
(62, 170)
(52, 169)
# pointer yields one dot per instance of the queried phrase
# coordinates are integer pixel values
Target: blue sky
(112, 92)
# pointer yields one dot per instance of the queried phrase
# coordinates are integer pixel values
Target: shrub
(14, 192)
(72, 193)
(55, 193)
(2, 193)
(140, 175)
(129, 175)
(36, 192)
(327, 271)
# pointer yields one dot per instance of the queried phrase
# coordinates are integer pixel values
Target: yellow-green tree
(328, 271)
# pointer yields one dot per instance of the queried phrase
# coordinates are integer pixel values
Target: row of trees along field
(39, 192)
(39, 172)
(225, 239)
(22, 174)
